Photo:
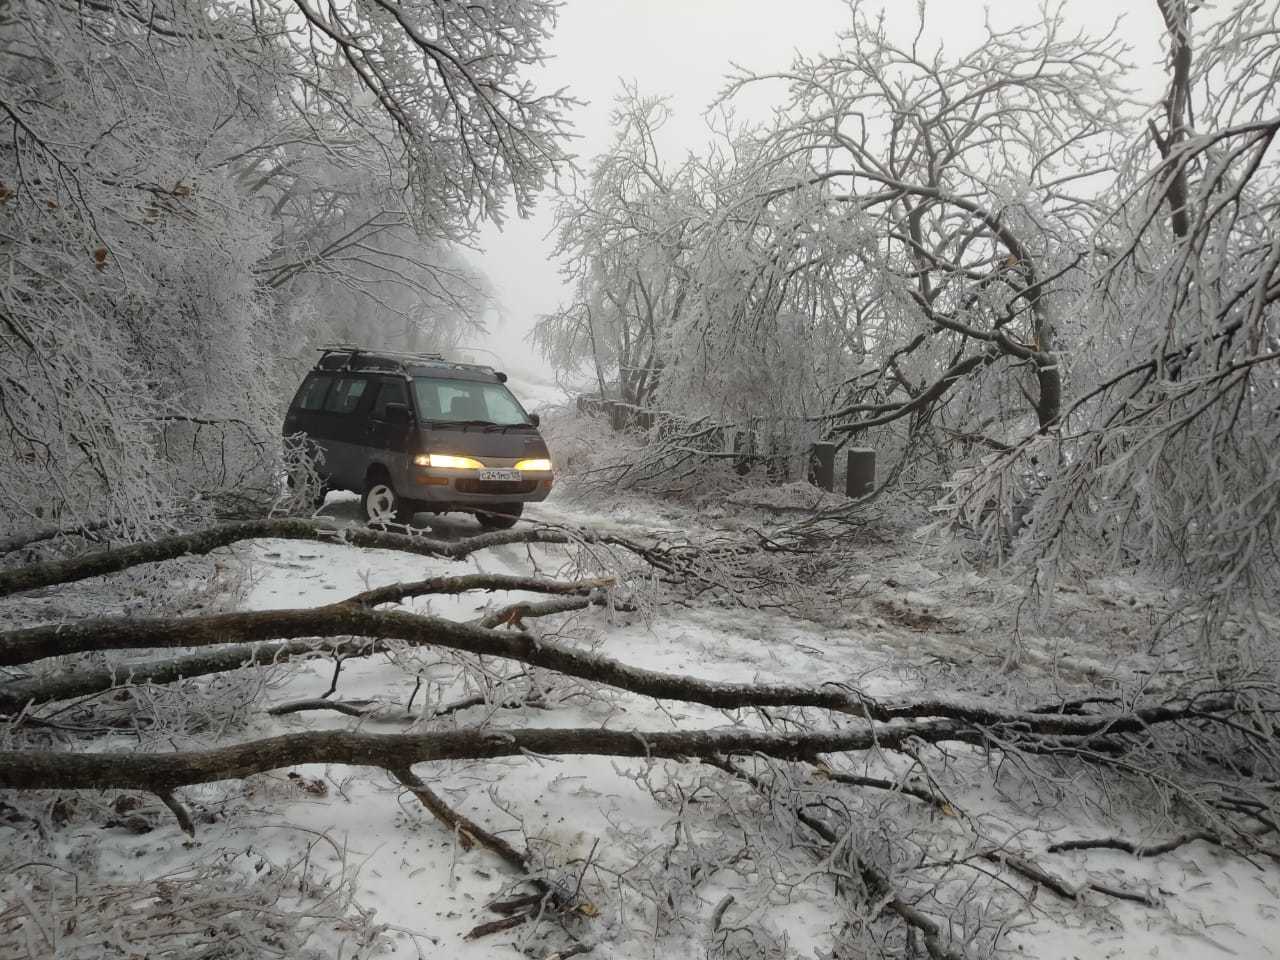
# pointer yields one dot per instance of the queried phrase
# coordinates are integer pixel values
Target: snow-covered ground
(898, 620)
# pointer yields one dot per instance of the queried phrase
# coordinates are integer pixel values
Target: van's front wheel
(383, 505)
(501, 516)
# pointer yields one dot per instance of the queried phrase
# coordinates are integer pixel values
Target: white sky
(683, 49)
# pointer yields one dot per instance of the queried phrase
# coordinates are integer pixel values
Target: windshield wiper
(473, 423)
(487, 424)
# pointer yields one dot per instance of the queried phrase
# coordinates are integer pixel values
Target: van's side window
(311, 396)
(345, 395)
(390, 391)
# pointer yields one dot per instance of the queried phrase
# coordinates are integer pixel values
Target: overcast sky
(682, 49)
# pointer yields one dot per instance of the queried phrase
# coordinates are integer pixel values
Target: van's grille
(495, 487)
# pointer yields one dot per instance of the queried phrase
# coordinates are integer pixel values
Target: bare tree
(935, 199)
(898, 255)
(622, 239)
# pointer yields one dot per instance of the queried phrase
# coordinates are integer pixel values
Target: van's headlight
(447, 461)
(539, 463)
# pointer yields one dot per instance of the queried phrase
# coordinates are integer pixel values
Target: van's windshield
(467, 401)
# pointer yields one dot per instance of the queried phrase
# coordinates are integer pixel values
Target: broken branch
(101, 562)
(1137, 849)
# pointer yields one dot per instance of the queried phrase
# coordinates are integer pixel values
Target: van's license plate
(498, 475)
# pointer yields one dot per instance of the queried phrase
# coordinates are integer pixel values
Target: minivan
(415, 433)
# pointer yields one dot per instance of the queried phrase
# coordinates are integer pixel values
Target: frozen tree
(1169, 445)
(346, 251)
(622, 237)
(919, 212)
(467, 128)
(130, 306)
(898, 255)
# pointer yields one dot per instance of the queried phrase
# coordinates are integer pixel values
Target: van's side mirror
(535, 419)
(398, 413)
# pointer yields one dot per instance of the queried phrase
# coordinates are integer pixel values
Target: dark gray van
(416, 432)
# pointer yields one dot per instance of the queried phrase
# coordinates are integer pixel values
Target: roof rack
(355, 349)
(365, 358)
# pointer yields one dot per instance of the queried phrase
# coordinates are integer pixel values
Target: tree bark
(47, 770)
(346, 619)
(67, 685)
(396, 592)
(102, 562)
(1177, 105)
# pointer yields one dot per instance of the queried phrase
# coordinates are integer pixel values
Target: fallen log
(345, 619)
(101, 562)
(155, 772)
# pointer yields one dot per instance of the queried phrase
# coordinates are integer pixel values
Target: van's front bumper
(434, 485)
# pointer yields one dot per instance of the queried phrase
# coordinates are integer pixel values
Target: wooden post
(617, 415)
(861, 477)
(778, 466)
(822, 465)
(744, 449)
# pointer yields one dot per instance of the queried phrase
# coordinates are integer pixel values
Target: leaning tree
(1168, 446)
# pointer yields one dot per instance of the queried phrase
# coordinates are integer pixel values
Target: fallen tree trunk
(397, 592)
(49, 770)
(17, 695)
(101, 562)
(346, 619)
(161, 774)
